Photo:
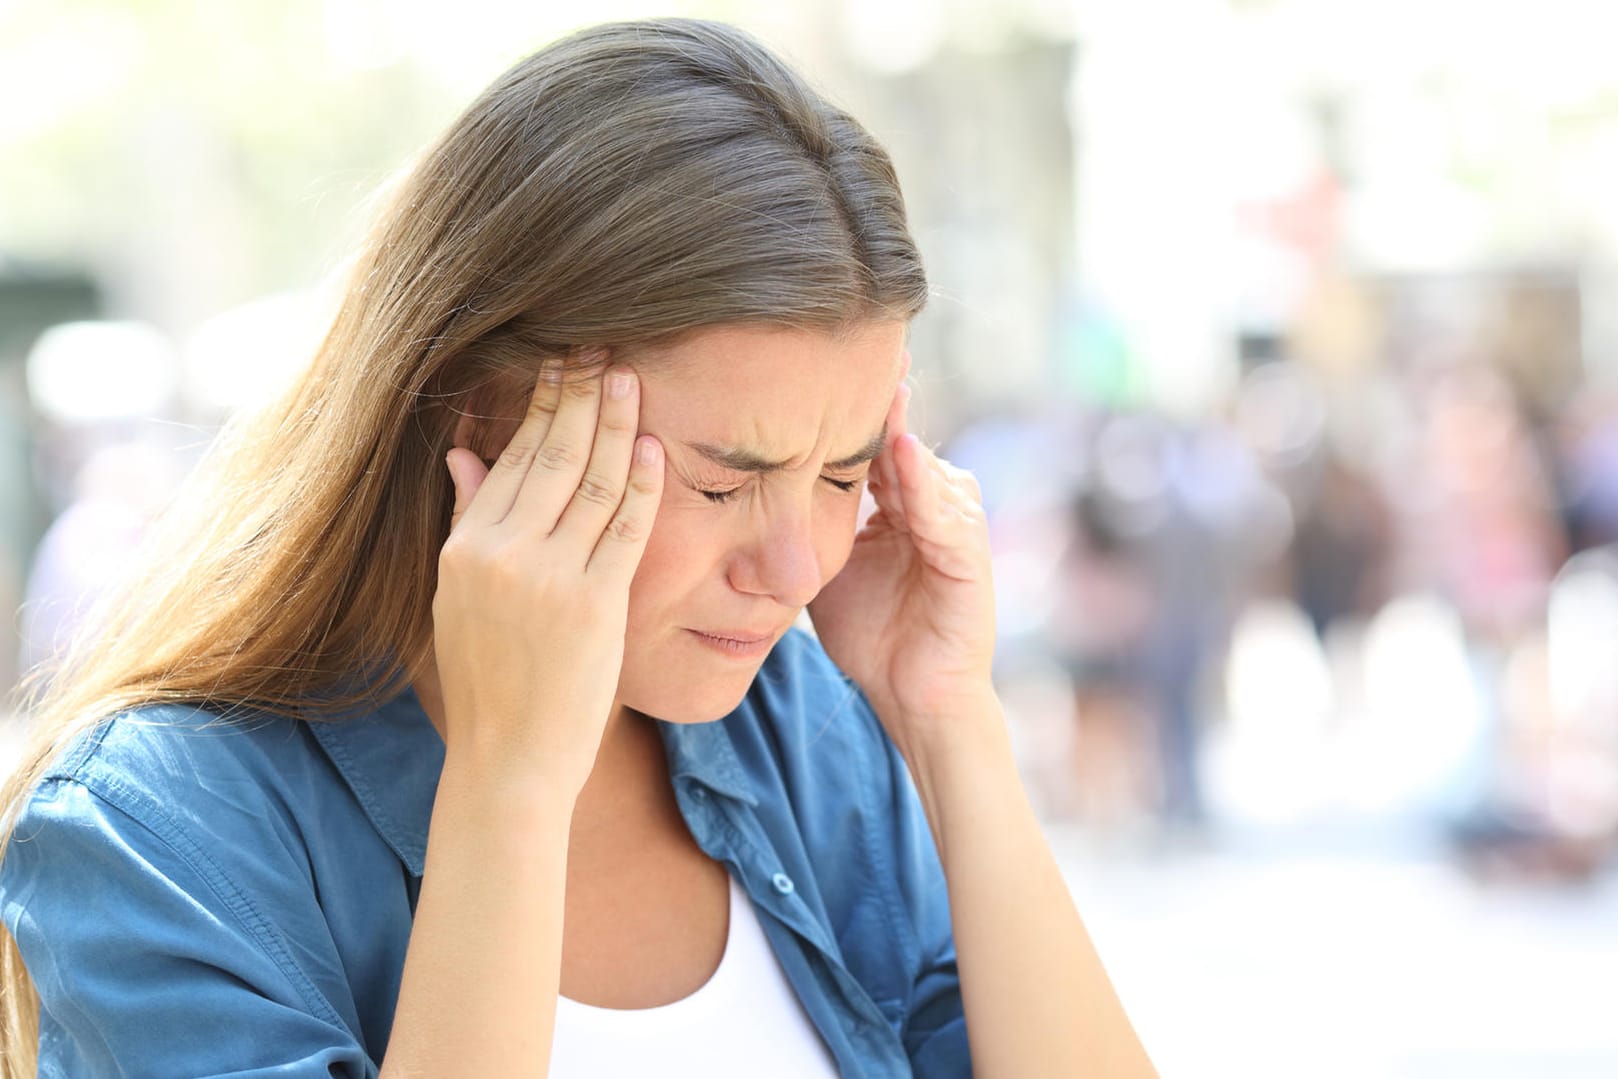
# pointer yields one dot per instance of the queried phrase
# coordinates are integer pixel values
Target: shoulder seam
(257, 927)
(85, 746)
(77, 753)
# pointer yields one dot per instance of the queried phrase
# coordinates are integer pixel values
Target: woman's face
(768, 435)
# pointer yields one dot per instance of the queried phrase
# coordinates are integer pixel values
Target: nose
(780, 560)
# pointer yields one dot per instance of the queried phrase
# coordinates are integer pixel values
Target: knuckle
(542, 399)
(644, 481)
(517, 455)
(594, 489)
(556, 456)
(580, 389)
(626, 529)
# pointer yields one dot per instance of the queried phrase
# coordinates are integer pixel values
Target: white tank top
(744, 1022)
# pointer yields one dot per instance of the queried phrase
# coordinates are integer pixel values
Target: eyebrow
(740, 460)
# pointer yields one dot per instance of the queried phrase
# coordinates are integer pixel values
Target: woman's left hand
(911, 615)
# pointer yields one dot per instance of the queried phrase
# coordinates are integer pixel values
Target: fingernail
(646, 451)
(618, 384)
(551, 370)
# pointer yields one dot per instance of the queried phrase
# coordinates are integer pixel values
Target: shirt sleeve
(148, 958)
(935, 1024)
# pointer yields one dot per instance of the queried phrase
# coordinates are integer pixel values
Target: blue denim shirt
(195, 897)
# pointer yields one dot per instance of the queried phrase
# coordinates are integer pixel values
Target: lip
(733, 642)
(741, 636)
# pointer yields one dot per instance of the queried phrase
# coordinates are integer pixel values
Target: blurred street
(1350, 957)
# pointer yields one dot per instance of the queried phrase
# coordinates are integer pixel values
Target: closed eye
(727, 495)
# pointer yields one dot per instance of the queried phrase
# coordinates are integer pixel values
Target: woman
(430, 755)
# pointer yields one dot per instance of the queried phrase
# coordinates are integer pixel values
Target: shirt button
(783, 883)
(699, 793)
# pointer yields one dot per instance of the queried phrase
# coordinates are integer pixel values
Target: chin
(689, 707)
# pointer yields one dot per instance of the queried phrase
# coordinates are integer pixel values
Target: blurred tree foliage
(166, 136)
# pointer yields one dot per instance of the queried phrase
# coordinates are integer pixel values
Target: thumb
(467, 473)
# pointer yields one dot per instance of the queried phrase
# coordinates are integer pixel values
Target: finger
(961, 505)
(887, 495)
(499, 489)
(961, 487)
(940, 507)
(466, 474)
(901, 425)
(559, 463)
(623, 541)
(920, 482)
(596, 500)
(887, 490)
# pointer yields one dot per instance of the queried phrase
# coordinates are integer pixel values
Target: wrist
(963, 768)
(481, 784)
(968, 721)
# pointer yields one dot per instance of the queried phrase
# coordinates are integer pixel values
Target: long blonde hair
(627, 183)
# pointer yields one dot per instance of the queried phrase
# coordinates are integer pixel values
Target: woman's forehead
(773, 394)
(774, 362)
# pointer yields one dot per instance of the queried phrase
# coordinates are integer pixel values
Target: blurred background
(1281, 334)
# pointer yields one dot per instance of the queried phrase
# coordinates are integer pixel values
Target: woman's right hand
(533, 581)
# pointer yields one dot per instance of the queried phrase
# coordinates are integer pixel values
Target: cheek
(680, 552)
(834, 540)
(657, 564)
(688, 546)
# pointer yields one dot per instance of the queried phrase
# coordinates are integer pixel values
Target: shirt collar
(705, 753)
(391, 755)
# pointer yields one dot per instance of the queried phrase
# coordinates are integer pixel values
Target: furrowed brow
(740, 460)
(868, 452)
